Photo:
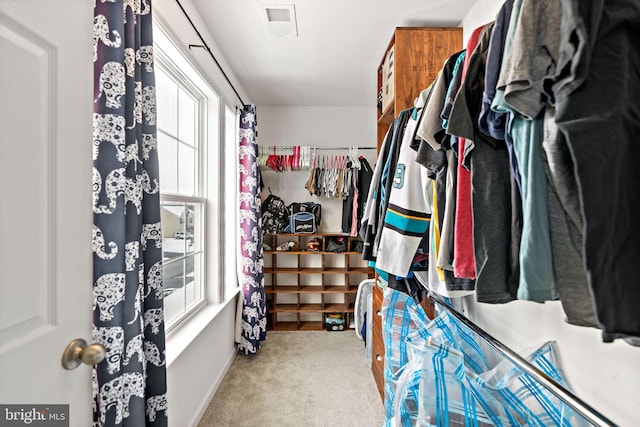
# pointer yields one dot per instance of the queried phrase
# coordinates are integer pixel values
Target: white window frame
(232, 205)
(177, 65)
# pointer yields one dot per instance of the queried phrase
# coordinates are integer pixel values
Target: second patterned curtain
(254, 320)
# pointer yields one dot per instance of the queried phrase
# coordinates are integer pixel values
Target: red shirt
(464, 265)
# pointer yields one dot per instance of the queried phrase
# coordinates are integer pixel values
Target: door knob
(77, 352)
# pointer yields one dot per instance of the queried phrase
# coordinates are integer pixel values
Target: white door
(46, 75)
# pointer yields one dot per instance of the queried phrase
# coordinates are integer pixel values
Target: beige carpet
(301, 379)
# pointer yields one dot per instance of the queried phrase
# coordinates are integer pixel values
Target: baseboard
(212, 391)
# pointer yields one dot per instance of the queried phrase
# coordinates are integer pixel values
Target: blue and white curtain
(254, 320)
(129, 386)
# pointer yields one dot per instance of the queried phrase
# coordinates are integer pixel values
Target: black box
(334, 322)
(329, 327)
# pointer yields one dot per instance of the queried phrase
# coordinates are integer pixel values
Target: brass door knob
(77, 352)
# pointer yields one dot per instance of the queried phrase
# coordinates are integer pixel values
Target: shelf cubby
(307, 285)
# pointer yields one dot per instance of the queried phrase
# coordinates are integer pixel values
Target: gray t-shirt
(430, 123)
(490, 183)
(565, 223)
(532, 56)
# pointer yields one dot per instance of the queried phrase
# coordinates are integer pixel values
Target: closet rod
(321, 148)
(589, 413)
(343, 148)
(206, 47)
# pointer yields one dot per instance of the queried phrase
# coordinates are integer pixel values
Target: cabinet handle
(378, 358)
(378, 313)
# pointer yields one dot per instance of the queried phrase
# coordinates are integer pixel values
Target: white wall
(314, 126)
(200, 353)
(483, 11)
(195, 373)
(604, 375)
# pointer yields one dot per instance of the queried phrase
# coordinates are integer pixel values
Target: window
(231, 203)
(187, 120)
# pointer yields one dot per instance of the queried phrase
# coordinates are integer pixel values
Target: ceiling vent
(280, 20)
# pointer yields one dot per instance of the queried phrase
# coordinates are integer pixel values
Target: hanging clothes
(491, 122)
(408, 212)
(363, 182)
(359, 174)
(566, 227)
(521, 97)
(430, 129)
(516, 188)
(371, 214)
(445, 257)
(434, 147)
(597, 111)
(348, 204)
(463, 238)
(491, 187)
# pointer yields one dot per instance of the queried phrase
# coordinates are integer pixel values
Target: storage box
(334, 322)
(388, 79)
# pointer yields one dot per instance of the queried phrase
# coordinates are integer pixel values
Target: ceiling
(334, 58)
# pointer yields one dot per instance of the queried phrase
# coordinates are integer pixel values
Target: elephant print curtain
(254, 319)
(129, 386)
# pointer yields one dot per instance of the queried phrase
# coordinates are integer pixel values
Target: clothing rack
(343, 148)
(285, 147)
(284, 158)
(584, 409)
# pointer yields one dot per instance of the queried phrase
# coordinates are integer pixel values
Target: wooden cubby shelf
(304, 286)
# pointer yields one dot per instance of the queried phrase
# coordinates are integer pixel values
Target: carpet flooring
(301, 379)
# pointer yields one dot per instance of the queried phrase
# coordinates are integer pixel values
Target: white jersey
(409, 210)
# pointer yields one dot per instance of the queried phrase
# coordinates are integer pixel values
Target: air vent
(278, 15)
(280, 20)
